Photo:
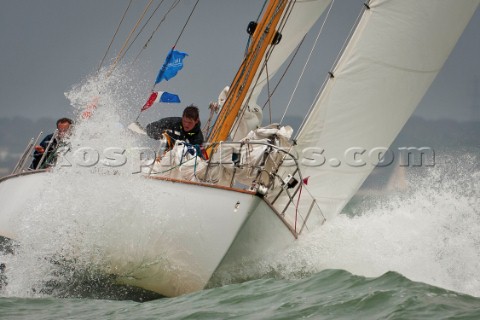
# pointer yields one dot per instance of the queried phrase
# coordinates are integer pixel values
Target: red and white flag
(160, 96)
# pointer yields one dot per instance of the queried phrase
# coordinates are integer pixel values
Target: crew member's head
(64, 126)
(190, 118)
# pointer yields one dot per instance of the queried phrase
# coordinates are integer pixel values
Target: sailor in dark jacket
(186, 128)
(52, 142)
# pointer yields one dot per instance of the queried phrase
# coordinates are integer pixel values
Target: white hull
(13, 195)
(182, 256)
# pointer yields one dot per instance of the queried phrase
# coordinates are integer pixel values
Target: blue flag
(173, 63)
(168, 97)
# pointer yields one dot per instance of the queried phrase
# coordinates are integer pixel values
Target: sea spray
(431, 233)
(428, 233)
(100, 136)
(73, 225)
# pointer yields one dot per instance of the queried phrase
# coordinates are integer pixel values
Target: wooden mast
(262, 38)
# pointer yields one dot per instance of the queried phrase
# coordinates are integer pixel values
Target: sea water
(413, 254)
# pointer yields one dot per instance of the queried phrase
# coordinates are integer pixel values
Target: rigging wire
(349, 35)
(334, 64)
(114, 35)
(256, 21)
(128, 38)
(269, 94)
(268, 90)
(174, 4)
(186, 22)
(308, 59)
(142, 28)
(178, 38)
(247, 69)
(282, 22)
(284, 73)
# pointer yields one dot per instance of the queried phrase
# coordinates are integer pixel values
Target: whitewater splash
(71, 225)
(430, 233)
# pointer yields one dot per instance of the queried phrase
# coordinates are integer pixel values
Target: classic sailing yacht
(260, 188)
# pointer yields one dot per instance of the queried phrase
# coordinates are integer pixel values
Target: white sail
(389, 63)
(300, 20)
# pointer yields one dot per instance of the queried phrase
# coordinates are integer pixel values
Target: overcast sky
(47, 46)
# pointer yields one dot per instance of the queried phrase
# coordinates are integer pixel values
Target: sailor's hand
(39, 149)
(214, 106)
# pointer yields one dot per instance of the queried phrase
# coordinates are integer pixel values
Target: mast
(262, 37)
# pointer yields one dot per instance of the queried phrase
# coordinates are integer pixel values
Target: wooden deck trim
(202, 184)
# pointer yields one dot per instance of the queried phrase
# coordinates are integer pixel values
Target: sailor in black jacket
(51, 142)
(186, 128)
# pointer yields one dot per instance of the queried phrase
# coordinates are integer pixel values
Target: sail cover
(389, 63)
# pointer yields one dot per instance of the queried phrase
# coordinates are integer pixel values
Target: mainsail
(389, 63)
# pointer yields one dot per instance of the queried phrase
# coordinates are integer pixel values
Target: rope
(113, 38)
(282, 25)
(349, 35)
(129, 36)
(178, 38)
(258, 17)
(172, 168)
(268, 53)
(182, 162)
(268, 90)
(213, 106)
(284, 73)
(185, 25)
(243, 76)
(174, 4)
(308, 59)
(142, 28)
(328, 77)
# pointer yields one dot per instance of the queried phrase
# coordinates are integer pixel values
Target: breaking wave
(428, 233)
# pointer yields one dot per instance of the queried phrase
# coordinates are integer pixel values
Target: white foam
(73, 219)
(430, 234)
